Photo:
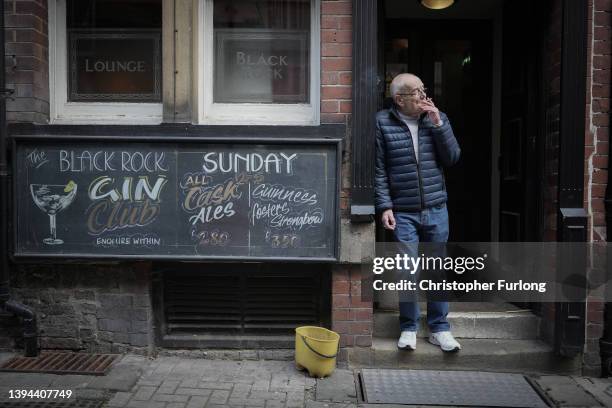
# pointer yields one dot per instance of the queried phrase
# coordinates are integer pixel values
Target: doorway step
(470, 321)
(494, 337)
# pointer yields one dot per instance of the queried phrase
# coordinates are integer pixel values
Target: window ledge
(106, 120)
(182, 130)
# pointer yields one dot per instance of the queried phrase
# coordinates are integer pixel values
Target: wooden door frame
(572, 218)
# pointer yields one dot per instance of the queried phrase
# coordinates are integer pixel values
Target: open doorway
(453, 58)
(484, 70)
(469, 58)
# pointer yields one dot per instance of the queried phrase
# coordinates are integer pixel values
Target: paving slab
(123, 375)
(90, 394)
(187, 382)
(566, 392)
(71, 381)
(120, 399)
(211, 383)
(197, 402)
(599, 388)
(5, 355)
(322, 404)
(403, 406)
(31, 380)
(339, 387)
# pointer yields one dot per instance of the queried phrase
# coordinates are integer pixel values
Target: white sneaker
(407, 340)
(445, 340)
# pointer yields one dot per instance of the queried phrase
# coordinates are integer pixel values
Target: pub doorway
(456, 70)
(483, 70)
(486, 72)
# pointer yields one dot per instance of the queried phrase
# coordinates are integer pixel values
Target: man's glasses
(421, 93)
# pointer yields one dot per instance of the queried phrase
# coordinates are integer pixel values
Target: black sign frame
(28, 257)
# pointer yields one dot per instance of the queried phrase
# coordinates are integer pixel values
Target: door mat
(457, 388)
(61, 363)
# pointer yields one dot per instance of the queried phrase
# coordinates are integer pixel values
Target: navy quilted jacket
(402, 183)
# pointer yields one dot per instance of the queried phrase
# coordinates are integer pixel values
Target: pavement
(187, 382)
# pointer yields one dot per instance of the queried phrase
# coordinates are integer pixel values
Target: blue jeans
(429, 225)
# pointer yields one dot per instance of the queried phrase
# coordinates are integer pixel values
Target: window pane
(262, 51)
(114, 50)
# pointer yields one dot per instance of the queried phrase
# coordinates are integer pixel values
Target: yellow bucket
(316, 349)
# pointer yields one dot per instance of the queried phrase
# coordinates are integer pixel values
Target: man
(414, 142)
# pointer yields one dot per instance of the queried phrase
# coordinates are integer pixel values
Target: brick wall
(92, 308)
(591, 361)
(336, 61)
(595, 153)
(92, 320)
(336, 77)
(598, 108)
(596, 158)
(27, 62)
(351, 317)
(78, 307)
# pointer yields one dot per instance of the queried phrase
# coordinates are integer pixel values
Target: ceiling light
(437, 4)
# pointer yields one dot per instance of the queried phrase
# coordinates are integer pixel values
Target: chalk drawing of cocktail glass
(53, 198)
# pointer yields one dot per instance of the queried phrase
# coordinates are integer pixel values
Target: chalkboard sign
(180, 199)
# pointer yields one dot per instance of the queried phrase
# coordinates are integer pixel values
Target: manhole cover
(457, 388)
(61, 363)
(75, 403)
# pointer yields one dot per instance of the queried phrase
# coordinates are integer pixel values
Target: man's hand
(433, 113)
(388, 219)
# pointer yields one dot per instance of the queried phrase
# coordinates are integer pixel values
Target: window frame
(209, 113)
(62, 111)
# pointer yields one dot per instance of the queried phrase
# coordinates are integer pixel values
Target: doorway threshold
(470, 321)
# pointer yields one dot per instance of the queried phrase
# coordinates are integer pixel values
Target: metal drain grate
(454, 388)
(74, 403)
(61, 363)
